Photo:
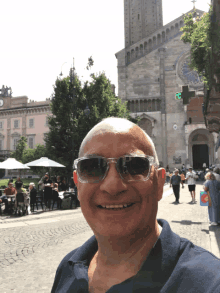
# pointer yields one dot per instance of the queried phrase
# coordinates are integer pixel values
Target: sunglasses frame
(114, 160)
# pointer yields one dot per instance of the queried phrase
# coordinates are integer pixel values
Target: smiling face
(113, 190)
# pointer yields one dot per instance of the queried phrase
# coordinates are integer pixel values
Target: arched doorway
(200, 150)
(200, 155)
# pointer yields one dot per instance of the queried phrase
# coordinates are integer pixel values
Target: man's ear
(161, 173)
(75, 178)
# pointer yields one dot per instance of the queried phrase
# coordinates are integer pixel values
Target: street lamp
(61, 74)
(87, 110)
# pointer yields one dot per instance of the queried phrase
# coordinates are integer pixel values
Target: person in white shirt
(190, 177)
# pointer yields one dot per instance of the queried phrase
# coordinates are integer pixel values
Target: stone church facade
(152, 67)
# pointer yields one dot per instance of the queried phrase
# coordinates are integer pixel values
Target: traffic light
(178, 96)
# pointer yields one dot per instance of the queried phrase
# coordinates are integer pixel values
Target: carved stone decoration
(177, 160)
(146, 125)
(5, 91)
(15, 134)
(188, 76)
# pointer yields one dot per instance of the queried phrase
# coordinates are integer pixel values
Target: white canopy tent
(44, 162)
(12, 164)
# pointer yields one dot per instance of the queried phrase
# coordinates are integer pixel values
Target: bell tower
(141, 17)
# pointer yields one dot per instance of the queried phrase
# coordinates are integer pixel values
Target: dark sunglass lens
(134, 166)
(92, 168)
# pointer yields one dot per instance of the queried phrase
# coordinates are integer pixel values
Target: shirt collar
(163, 257)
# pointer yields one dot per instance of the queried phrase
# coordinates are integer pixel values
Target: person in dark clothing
(59, 181)
(17, 182)
(56, 197)
(47, 191)
(175, 181)
(33, 196)
(63, 185)
(131, 249)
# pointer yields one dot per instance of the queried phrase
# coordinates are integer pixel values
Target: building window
(15, 123)
(15, 143)
(138, 16)
(31, 142)
(1, 145)
(1, 125)
(31, 123)
(47, 120)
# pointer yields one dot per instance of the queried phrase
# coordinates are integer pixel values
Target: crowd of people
(48, 189)
(211, 185)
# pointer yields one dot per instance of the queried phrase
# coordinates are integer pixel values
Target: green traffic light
(178, 96)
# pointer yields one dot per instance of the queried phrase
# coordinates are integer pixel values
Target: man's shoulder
(196, 270)
(66, 258)
(193, 258)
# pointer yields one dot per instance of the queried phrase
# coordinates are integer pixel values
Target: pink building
(20, 117)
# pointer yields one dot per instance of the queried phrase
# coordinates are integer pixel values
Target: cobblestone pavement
(30, 254)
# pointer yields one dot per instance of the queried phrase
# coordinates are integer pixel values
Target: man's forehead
(127, 140)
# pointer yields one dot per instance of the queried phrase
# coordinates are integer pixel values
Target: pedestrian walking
(168, 176)
(175, 182)
(183, 168)
(47, 191)
(207, 170)
(204, 166)
(213, 186)
(190, 177)
(182, 179)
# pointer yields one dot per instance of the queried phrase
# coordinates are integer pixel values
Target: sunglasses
(93, 169)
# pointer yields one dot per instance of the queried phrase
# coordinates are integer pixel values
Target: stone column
(163, 106)
(8, 143)
(24, 127)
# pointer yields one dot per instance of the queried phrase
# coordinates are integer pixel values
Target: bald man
(119, 186)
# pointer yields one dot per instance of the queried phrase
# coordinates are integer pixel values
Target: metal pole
(72, 80)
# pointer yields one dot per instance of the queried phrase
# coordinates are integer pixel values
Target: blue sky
(38, 37)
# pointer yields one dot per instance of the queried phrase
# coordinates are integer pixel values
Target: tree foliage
(30, 155)
(26, 155)
(69, 124)
(20, 147)
(200, 35)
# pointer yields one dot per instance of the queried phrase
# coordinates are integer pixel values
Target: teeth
(115, 206)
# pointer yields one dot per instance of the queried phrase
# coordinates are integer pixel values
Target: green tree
(199, 34)
(69, 124)
(32, 155)
(20, 147)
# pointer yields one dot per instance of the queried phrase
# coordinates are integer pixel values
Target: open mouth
(116, 209)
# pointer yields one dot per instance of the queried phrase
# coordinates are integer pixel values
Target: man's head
(190, 169)
(176, 171)
(31, 185)
(216, 170)
(114, 138)
(46, 176)
(58, 178)
(10, 184)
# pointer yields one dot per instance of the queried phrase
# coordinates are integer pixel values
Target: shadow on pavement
(187, 222)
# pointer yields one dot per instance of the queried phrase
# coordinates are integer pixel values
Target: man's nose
(113, 183)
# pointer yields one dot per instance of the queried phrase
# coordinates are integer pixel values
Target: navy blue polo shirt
(175, 265)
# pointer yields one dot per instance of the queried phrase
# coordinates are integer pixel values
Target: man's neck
(118, 253)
